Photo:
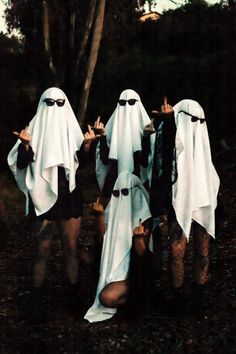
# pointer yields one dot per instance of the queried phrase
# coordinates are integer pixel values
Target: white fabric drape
(56, 136)
(124, 132)
(122, 216)
(194, 194)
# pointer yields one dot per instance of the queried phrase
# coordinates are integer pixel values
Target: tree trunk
(87, 31)
(95, 45)
(72, 26)
(46, 38)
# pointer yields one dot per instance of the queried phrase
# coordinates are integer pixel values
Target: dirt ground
(153, 331)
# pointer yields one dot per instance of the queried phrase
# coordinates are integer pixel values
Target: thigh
(177, 238)
(201, 239)
(70, 230)
(42, 230)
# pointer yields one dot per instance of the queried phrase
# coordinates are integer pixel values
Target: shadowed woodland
(93, 50)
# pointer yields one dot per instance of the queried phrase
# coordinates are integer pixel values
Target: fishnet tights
(178, 243)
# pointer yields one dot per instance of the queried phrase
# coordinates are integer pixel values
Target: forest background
(95, 49)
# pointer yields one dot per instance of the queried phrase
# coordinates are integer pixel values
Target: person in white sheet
(194, 200)
(44, 162)
(188, 192)
(120, 146)
(128, 205)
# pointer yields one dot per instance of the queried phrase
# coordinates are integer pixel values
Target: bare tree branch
(87, 31)
(96, 40)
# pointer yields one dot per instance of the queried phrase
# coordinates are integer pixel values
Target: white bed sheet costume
(124, 132)
(194, 194)
(56, 136)
(121, 216)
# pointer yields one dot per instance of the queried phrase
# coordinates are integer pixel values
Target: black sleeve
(145, 151)
(169, 132)
(83, 156)
(24, 156)
(104, 150)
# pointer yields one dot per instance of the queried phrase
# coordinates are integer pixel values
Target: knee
(108, 299)
(43, 252)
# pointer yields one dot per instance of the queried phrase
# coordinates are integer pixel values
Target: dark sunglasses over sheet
(50, 102)
(123, 191)
(131, 102)
(193, 118)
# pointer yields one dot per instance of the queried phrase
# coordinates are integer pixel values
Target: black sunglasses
(193, 118)
(123, 191)
(131, 102)
(50, 102)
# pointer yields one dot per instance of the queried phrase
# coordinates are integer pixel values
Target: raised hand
(149, 129)
(97, 206)
(24, 136)
(89, 137)
(98, 128)
(139, 231)
(166, 107)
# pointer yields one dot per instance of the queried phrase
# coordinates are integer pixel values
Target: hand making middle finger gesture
(166, 107)
(97, 206)
(99, 126)
(24, 136)
(89, 137)
(139, 231)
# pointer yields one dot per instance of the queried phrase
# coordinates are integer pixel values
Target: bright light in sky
(2, 20)
(3, 27)
(164, 5)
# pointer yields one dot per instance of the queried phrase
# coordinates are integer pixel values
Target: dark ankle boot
(72, 299)
(198, 304)
(38, 310)
(178, 307)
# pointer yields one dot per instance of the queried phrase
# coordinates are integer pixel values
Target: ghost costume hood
(194, 194)
(124, 132)
(56, 136)
(121, 216)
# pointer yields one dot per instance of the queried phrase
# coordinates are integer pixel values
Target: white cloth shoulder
(56, 136)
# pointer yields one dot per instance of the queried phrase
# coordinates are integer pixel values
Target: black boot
(178, 307)
(72, 300)
(38, 310)
(198, 304)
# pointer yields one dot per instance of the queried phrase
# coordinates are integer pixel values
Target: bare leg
(114, 294)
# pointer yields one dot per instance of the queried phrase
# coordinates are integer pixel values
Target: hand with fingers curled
(140, 231)
(166, 107)
(98, 128)
(89, 137)
(149, 129)
(24, 136)
(97, 207)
